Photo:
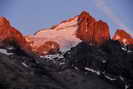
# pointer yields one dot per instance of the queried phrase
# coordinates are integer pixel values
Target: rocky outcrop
(45, 48)
(30, 40)
(84, 31)
(9, 35)
(92, 31)
(49, 47)
(123, 37)
(18, 73)
(101, 32)
(110, 61)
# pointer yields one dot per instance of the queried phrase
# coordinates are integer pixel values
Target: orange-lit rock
(101, 32)
(92, 31)
(85, 30)
(123, 37)
(29, 40)
(48, 47)
(9, 34)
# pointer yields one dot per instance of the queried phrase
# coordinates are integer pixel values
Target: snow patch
(112, 79)
(129, 51)
(92, 70)
(126, 86)
(54, 56)
(24, 64)
(4, 51)
(126, 49)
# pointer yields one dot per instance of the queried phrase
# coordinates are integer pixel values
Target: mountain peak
(86, 17)
(10, 35)
(84, 14)
(4, 23)
(92, 31)
(122, 36)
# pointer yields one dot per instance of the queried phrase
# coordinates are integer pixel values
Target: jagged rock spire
(85, 25)
(86, 17)
(92, 31)
(101, 32)
(4, 21)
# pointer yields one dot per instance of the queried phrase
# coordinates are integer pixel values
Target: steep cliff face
(10, 35)
(101, 30)
(85, 30)
(92, 31)
(123, 37)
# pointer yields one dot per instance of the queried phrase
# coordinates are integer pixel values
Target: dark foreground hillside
(83, 67)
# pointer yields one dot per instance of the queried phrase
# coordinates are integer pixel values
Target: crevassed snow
(54, 56)
(63, 34)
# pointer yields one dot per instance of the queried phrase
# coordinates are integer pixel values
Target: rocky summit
(10, 35)
(123, 37)
(77, 53)
(92, 31)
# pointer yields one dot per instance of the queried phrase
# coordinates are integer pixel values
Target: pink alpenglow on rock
(123, 37)
(9, 34)
(92, 31)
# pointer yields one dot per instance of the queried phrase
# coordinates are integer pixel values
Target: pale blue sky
(31, 15)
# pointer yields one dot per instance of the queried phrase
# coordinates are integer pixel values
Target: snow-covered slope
(63, 34)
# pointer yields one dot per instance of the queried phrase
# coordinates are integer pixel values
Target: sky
(29, 16)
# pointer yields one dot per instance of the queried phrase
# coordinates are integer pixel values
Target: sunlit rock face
(48, 47)
(92, 31)
(9, 35)
(85, 26)
(101, 32)
(123, 37)
(30, 40)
